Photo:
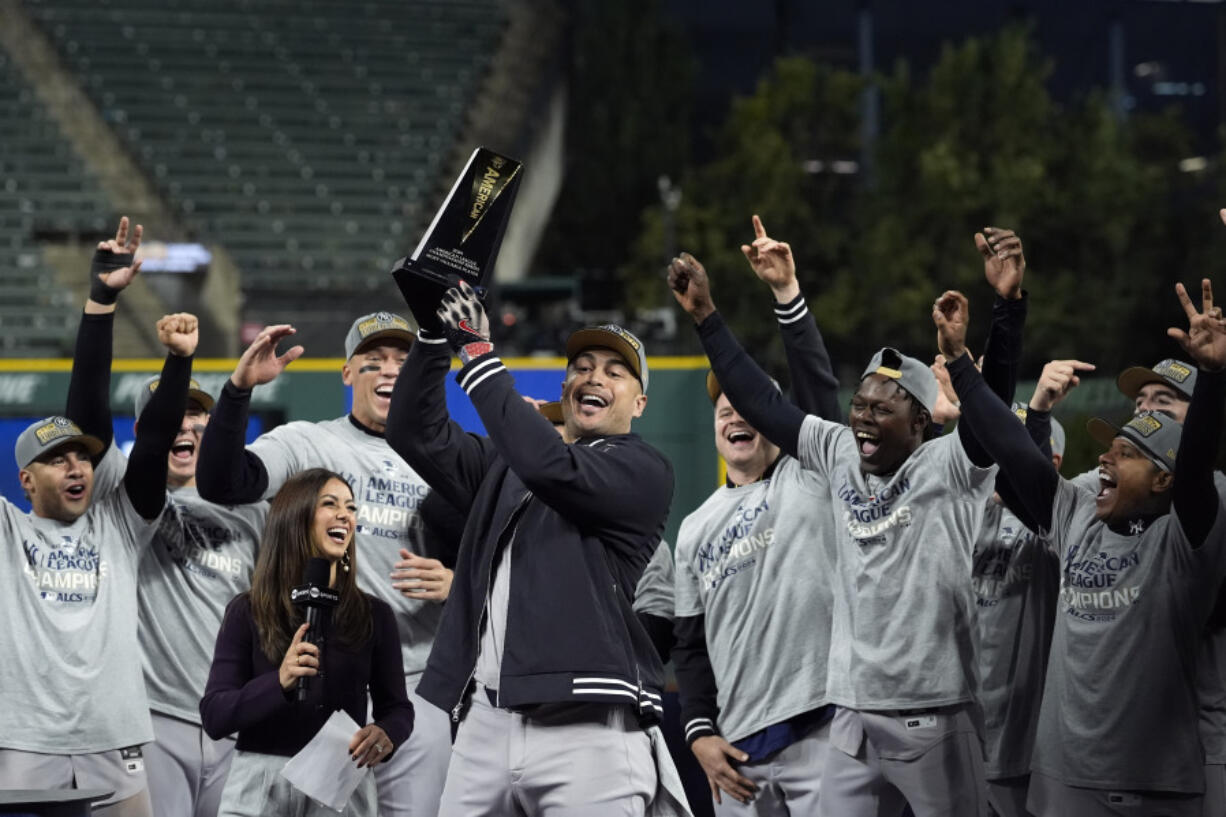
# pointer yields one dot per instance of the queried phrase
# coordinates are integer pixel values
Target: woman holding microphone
(262, 652)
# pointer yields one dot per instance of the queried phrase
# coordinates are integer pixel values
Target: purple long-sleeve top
(244, 692)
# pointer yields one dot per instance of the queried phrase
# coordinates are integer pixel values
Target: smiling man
(540, 658)
(392, 539)
(902, 661)
(1140, 564)
(75, 713)
(752, 560)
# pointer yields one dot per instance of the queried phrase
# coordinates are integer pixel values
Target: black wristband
(105, 261)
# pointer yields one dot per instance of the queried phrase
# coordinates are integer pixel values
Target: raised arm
(156, 428)
(749, 389)
(1193, 494)
(89, 388)
(1004, 267)
(1002, 437)
(226, 472)
(419, 429)
(815, 389)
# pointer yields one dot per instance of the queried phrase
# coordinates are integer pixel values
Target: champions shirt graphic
(1096, 585)
(67, 571)
(869, 518)
(733, 550)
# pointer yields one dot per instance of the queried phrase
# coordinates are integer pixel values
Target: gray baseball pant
(789, 781)
(255, 788)
(186, 768)
(1051, 798)
(555, 760)
(881, 762)
(410, 783)
(109, 770)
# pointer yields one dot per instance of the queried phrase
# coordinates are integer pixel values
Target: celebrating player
(901, 666)
(390, 535)
(753, 559)
(1140, 565)
(540, 658)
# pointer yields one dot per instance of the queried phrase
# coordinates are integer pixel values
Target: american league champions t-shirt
(1016, 579)
(201, 557)
(71, 677)
(756, 561)
(904, 611)
(1128, 631)
(388, 493)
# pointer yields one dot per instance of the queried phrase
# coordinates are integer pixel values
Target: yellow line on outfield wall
(316, 364)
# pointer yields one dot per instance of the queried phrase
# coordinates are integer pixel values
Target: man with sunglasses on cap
(75, 713)
(540, 659)
(393, 541)
(1140, 563)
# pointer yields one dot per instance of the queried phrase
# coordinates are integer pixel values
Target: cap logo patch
(1175, 371)
(888, 372)
(57, 428)
(1021, 413)
(1144, 426)
(380, 321)
(623, 334)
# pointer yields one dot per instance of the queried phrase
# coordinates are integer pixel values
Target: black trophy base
(423, 291)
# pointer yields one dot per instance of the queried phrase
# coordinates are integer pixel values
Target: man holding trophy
(539, 659)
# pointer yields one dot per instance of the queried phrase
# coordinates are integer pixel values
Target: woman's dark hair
(286, 546)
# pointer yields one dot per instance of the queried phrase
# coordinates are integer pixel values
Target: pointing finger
(758, 229)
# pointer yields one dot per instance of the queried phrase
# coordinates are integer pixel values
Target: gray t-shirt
(756, 561)
(1210, 669)
(202, 556)
(653, 594)
(1120, 708)
(904, 610)
(71, 674)
(388, 493)
(1016, 579)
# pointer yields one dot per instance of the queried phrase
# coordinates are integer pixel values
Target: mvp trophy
(464, 237)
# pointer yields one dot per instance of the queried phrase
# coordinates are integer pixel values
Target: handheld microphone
(318, 599)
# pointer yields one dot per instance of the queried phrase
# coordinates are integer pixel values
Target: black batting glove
(465, 323)
(106, 261)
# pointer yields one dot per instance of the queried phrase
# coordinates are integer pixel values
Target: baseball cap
(611, 336)
(377, 326)
(1178, 375)
(551, 411)
(1155, 434)
(51, 433)
(194, 392)
(714, 390)
(1057, 430)
(915, 377)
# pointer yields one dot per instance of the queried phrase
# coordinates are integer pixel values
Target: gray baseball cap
(1178, 375)
(611, 336)
(49, 434)
(376, 326)
(194, 392)
(1154, 433)
(1057, 430)
(912, 375)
